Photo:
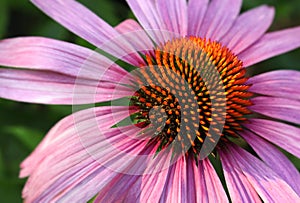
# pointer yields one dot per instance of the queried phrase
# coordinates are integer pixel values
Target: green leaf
(29, 137)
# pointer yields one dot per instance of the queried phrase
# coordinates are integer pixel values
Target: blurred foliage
(24, 125)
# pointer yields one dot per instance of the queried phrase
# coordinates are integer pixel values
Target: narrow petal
(219, 18)
(283, 135)
(248, 28)
(153, 183)
(187, 182)
(274, 159)
(174, 14)
(280, 108)
(212, 188)
(176, 186)
(270, 45)
(149, 17)
(73, 172)
(89, 26)
(67, 129)
(58, 56)
(269, 186)
(56, 72)
(196, 13)
(136, 36)
(47, 87)
(280, 83)
(240, 189)
(194, 192)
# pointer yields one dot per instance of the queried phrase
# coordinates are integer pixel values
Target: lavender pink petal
(283, 135)
(270, 45)
(274, 159)
(174, 15)
(276, 107)
(136, 36)
(55, 72)
(240, 189)
(248, 28)
(269, 186)
(78, 19)
(279, 83)
(63, 163)
(47, 87)
(53, 55)
(219, 17)
(196, 13)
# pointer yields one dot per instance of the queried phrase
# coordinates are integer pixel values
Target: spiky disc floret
(192, 61)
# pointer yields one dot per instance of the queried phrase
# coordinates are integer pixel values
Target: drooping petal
(270, 45)
(274, 159)
(153, 183)
(248, 28)
(196, 12)
(219, 17)
(279, 83)
(176, 186)
(47, 87)
(139, 187)
(283, 135)
(280, 108)
(174, 15)
(213, 189)
(240, 189)
(67, 128)
(269, 186)
(89, 26)
(66, 166)
(190, 183)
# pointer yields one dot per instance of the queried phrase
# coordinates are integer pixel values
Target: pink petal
(269, 186)
(65, 166)
(152, 184)
(89, 26)
(194, 181)
(119, 190)
(240, 189)
(149, 17)
(174, 15)
(248, 28)
(271, 44)
(136, 36)
(274, 159)
(61, 73)
(283, 135)
(196, 12)
(47, 87)
(213, 190)
(280, 83)
(135, 188)
(61, 57)
(67, 129)
(280, 108)
(190, 183)
(176, 186)
(219, 17)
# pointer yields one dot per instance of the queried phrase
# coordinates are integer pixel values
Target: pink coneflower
(189, 97)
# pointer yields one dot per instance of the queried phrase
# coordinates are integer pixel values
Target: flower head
(187, 102)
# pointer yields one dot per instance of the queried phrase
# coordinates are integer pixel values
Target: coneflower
(187, 101)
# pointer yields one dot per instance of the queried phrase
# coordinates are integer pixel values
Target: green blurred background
(24, 125)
